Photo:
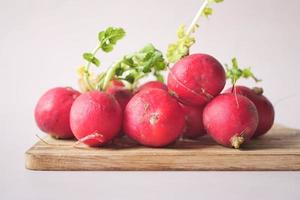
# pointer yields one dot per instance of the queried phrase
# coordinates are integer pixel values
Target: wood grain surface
(277, 150)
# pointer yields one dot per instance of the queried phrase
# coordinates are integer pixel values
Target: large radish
(96, 118)
(266, 113)
(196, 79)
(230, 119)
(52, 111)
(153, 118)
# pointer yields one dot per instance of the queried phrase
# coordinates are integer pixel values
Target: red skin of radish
(194, 126)
(96, 114)
(196, 79)
(153, 118)
(266, 113)
(230, 120)
(52, 112)
(122, 94)
(153, 84)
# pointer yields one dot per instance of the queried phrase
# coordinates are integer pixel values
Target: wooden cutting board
(278, 150)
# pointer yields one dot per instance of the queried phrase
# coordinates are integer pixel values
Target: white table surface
(151, 185)
(18, 183)
(41, 43)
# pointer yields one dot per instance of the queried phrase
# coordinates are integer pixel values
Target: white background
(41, 43)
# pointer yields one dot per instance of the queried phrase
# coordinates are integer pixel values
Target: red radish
(194, 126)
(196, 79)
(122, 94)
(264, 107)
(95, 118)
(153, 118)
(52, 111)
(230, 119)
(153, 84)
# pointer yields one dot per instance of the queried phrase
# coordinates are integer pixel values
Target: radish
(53, 110)
(121, 94)
(193, 122)
(196, 79)
(95, 118)
(263, 105)
(153, 118)
(153, 84)
(230, 119)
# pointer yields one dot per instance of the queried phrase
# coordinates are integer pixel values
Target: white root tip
(97, 136)
(236, 141)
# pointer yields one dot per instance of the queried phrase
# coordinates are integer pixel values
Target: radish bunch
(114, 104)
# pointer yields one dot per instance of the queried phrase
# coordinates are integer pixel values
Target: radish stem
(109, 75)
(196, 18)
(87, 71)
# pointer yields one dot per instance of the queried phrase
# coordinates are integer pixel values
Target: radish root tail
(97, 136)
(236, 141)
(41, 139)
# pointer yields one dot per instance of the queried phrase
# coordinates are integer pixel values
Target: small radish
(153, 84)
(263, 105)
(230, 119)
(95, 118)
(194, 126)
(196, 79)
(52, 111)
(153, 118)
(118, 90)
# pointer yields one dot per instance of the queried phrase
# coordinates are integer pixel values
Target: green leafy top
(180, 48)
(107, 40)
(208, 10)
(91, 58)
(137, 65)
(130, 68)
(110, 37)
(235, 73)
